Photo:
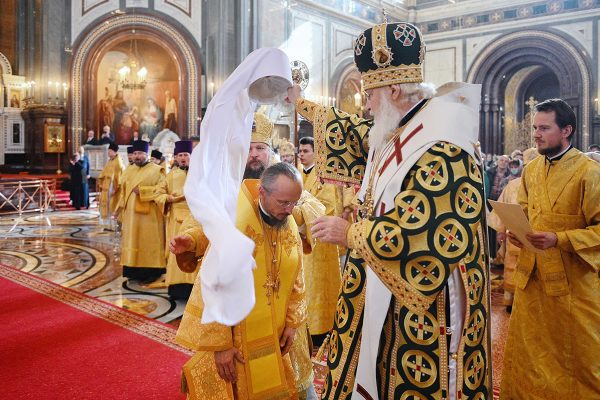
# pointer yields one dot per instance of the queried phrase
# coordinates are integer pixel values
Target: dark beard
(183, 168)
(141, 164)
(250, 173)
(551, 151)
(279, 224)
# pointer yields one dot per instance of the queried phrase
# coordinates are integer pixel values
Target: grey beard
(385, 122)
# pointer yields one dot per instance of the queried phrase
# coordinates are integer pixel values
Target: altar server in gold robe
(322, 265)
(109, 183)
(143, 234)
(252, 360)
(553, 345)
(172, 203)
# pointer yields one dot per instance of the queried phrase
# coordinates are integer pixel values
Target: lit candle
(357, 100)
(212, 90)
(49, 94)
(65, 89)
(56, 85)
(32, 91)
(334, 102)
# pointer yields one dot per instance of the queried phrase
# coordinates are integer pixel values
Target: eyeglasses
(287, 204)
(284, 204)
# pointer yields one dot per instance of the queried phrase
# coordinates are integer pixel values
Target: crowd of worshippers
(394, 289)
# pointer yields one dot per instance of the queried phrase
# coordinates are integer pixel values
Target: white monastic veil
(215, 176)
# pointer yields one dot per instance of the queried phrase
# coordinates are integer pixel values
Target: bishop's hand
(180, 244)
(331, 230)
(294, 93)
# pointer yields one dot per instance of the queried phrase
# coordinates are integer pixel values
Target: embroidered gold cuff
(354, 238)
(564, 243)
(306, 108)
(215, 337)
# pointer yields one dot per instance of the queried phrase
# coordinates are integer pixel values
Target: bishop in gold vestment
(553, 346)
(412, 315)
(109, 183)
(266, 373)
(172, 203)
(143, 234)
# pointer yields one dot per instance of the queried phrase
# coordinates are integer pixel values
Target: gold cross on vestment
(272, 286)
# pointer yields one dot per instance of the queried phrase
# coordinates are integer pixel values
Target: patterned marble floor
(76, 250)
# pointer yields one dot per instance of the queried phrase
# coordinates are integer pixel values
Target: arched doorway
(141, 106)
(524, 65)
(158, 42)
(349, 91)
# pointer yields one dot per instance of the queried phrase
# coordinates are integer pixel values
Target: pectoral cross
(272, 286)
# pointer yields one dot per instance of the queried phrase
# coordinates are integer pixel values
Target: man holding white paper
(552, 350)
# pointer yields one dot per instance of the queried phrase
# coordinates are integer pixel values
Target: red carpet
(56, 343)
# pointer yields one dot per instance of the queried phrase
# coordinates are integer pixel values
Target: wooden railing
(26, 196)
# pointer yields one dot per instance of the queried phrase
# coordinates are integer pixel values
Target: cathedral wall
(8, 31)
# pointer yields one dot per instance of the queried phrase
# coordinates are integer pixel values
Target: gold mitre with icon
(286, 148)
(390, 53)
(262, 129)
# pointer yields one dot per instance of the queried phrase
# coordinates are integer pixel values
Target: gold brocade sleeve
(414, 246)
(118, 174)
(308, 209)
(296, 312)
(215, 337)
(341, 144)
(586, 242)
(149, 193)
(161, 194)
(348, 197)
(193, 229)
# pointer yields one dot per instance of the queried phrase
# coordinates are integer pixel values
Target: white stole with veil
(215, 176)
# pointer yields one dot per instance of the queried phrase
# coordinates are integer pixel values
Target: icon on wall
(54, 138)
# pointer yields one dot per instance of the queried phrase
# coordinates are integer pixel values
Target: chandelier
(133, 74)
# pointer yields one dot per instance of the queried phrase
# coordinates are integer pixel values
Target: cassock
(78, 182)
(109, 183)
(413, 310)
(280, 303)
(552, 350)
(322, 265)
(179, 283)
(143, 233)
